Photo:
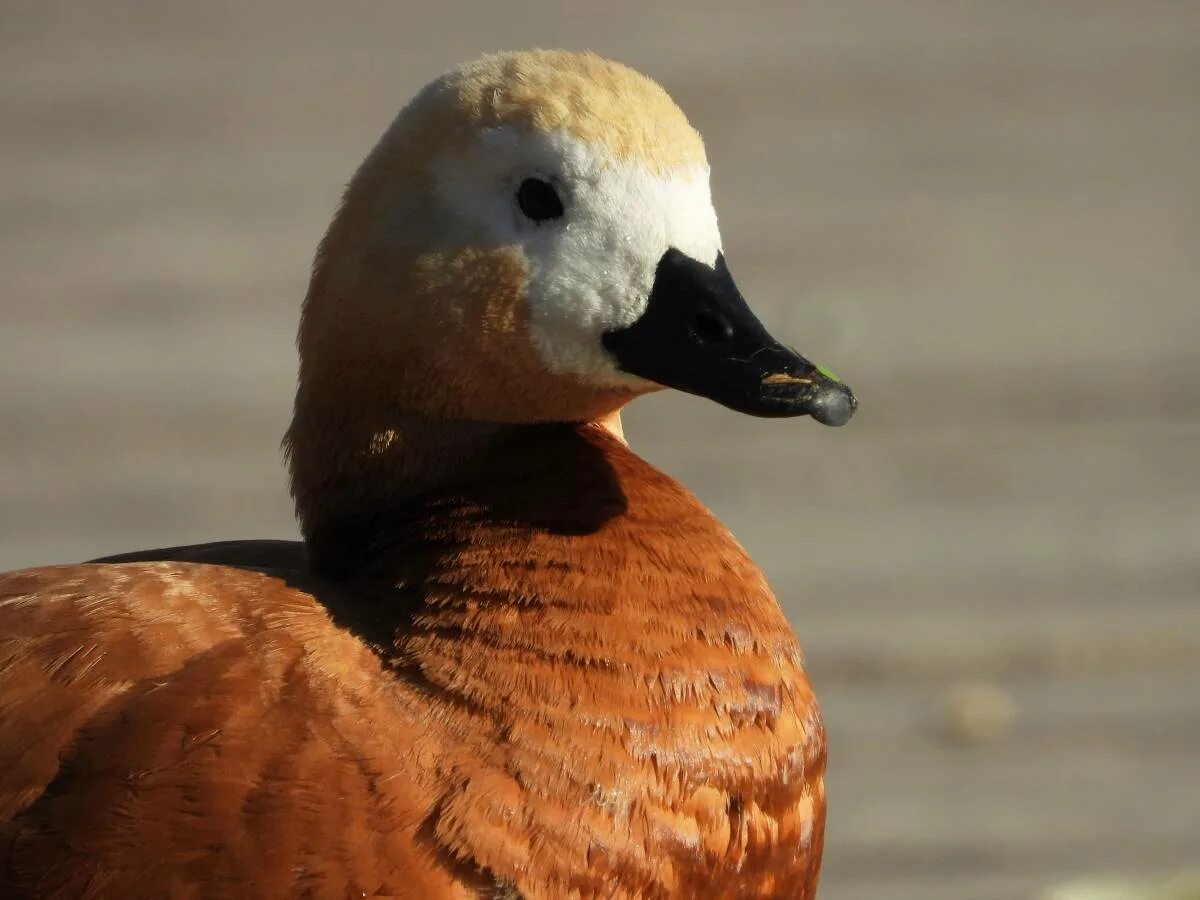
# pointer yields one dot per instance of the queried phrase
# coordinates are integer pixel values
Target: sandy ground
(983, 215)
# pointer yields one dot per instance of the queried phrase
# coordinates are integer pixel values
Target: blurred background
(985, 216)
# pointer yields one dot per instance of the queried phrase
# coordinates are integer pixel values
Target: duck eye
(538, 200)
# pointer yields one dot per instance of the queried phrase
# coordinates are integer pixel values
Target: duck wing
(176, 729)
(255, 554)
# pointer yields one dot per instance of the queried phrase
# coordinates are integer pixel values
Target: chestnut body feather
(558, 676)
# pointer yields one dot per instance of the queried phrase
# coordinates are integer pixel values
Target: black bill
(698, 335)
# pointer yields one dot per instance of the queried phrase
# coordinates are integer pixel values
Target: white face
(591, 270)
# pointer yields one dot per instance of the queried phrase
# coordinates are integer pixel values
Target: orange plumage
(563, 675)
(511, 659)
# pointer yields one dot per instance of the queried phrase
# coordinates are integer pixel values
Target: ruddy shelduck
(510, 658)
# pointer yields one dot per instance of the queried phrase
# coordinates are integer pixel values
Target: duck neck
(352, 471)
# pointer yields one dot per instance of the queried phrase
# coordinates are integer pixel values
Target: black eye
(539, 200)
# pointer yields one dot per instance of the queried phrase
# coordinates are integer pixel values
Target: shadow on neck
(367, 491)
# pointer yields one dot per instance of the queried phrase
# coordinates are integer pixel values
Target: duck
(509, 658)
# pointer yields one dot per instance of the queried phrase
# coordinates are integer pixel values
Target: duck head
(533, 239)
